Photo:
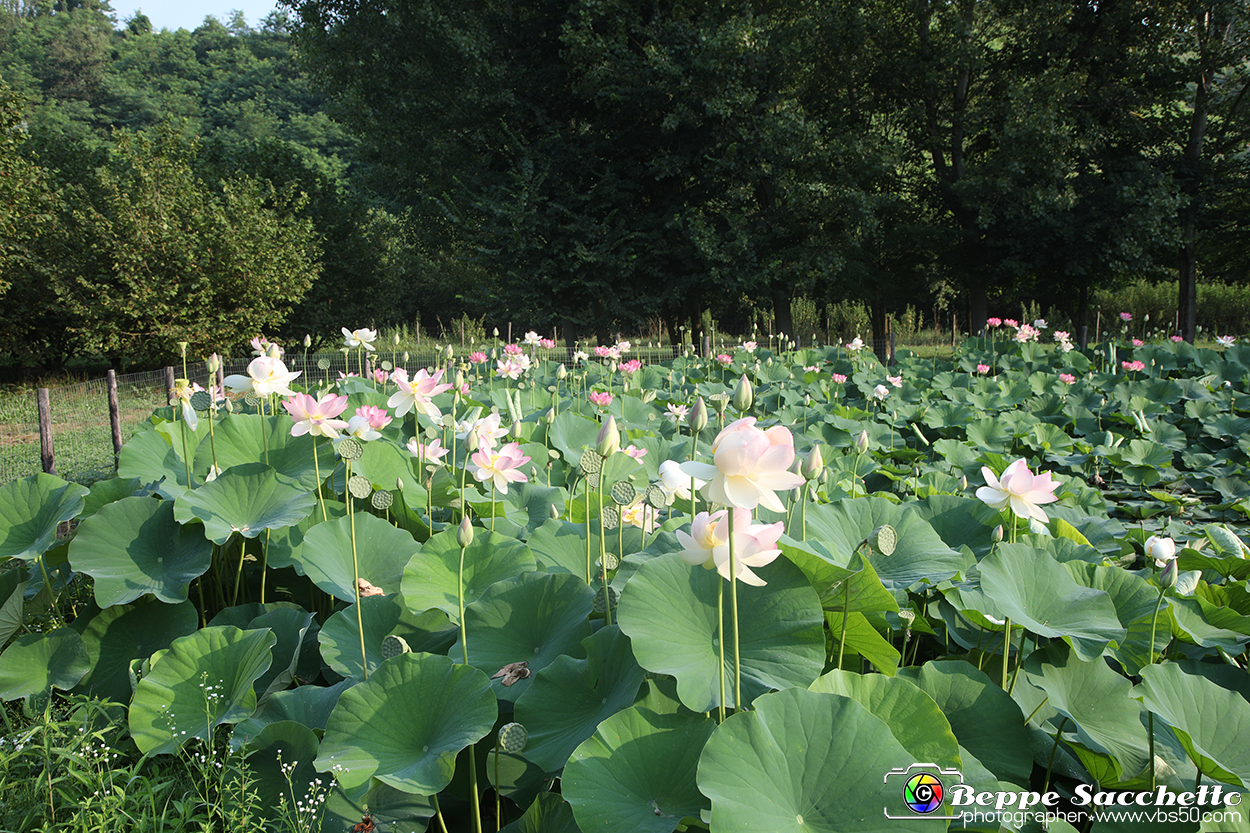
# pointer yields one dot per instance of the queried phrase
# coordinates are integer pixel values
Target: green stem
(720, 627)
(1051, 763)
(588, 578)
(846, 615)
(498, 809)
(360, 626)
(492, 505)
(438, 811)
(1153, 621)
(264, 566)
(317, 471)
(1006, 651)
(733, 605)
(1045, 700)
(1150, 734)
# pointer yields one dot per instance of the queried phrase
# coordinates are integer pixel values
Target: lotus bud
(555, 511)
(744, 394)
(494, 353)
(495, 332)
(813, 464)
(551, 416)
(824, 477)
(459, 379)
(698, 416)
(471, 442)
(273, 351)
(561, 372)
(612, 366)
(214, 363)
(861, 442)
(1162, 550)
(609, 438)
(395, 338)
(307, 341)
(516, 430)
(1167, 579)
(399, 484)
(963, 483)
(997, 534)
(405, 357)
(448, 352)
(464, 534)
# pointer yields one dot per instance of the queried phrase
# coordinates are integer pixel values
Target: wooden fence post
(169, 386)
(45, 431)
(115, 418)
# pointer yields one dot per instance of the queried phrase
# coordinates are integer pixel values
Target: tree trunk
(978, 307)
(784, 317)
(876, 318)
(1187, 298)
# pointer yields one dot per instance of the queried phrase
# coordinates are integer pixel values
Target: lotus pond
(495, 602)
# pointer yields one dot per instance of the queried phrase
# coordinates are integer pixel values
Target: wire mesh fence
(81, 429)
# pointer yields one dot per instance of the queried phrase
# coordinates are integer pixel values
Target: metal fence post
(46, 455)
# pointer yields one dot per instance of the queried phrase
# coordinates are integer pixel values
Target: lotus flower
(838, 378)
(416, 394)
(1020, 489)
(675, 482)
(501, 467)
(707, 544)
(748, 346)
(1162, 550)
(631, 367)
(432, 452)
(1225, 341)
(477, 357)
(532, 338)
(677, 413)
(751, 466)
(601, 399)
(993, 322)
(580, 356)
(360, 338)
(265, 375)
(640, 515)
(483, 431)
(316, 416)
(368, 423)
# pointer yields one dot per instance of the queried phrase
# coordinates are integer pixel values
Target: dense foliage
(1027, 566)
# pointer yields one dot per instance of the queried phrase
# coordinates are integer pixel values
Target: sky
(187, 14)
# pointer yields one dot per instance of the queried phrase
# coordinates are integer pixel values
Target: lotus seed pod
(813, 464)
(214, 363)
(861, 442)
(609, 441)
(610, 519)
(512, 738)
(883, 539)
(1167, 579)
(591, 462)
(907, 615)
(561, 371)
(698, 415)
(744, 394)
(393, 646)
(997, 534)
(359, 486)
(608, 561)
(324, 364)
(382, 499)
(719, 401)
(349, 448)
(201, 401)
(623, 493)
(600, 605)
(464, 533)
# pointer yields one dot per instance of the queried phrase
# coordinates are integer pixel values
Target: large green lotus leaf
(135, 546)
(985, 720)
(1037, 593)
(384, 463)
(1211, 722)
(381, 552)
(532, 618)
(381, 616)
(1134, 599)
(238, 442)
(202, 681)
(571, 697)
(104, 492)
(1208, 625)
(430, 579)
(571, 433)
(549, 813)
(1096, 700)
(280, 763)
(406, 724)
(960, 521)
(289, 625)
(637, 772)
(919, 555)
(560, 547)
(13, 592)
(773, 768)
(863, 639)
(308, 705)
(247, 499)
(668, 609)
(149, 458)
(846, 584)
(525, 508)
(30, 511)
(118, 635)
(39, 661)
(387, 805)
(913, 717)
(285, 544)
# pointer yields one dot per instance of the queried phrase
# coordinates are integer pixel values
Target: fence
(81, 426)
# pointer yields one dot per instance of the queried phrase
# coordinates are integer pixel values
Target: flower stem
(317, 470)
(720, 627)
(360, 627)
(733, 605)
(846, 615)
(1006, 651)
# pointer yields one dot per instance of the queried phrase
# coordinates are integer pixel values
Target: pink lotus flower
(464, 389)
(1011, 322)
(477, 357)
(1019, 489)
(262, 346)
(993, 322)
(677, 413)
(634, 451)
(839, 378)
(1026, 333)
(1137, 342)
(640, 515)
(1178, 339)
(725, 359)
(1126, 316)
(432, 452)
(896, 381)
(546, 343)
(601, 399)
(500, 467)
(1136, 365)
(368, 422)
(1067, 378)
(607, 352)
(810, 368)
(751, 466)
(707, 544)
(510, 368)
(749, 346)
(483, 431)
(631, 367)
(983, 368)
(1225, 341)
(856, 345)
(513, 349)
(380, 376)
(316, 416)
(416, 394)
